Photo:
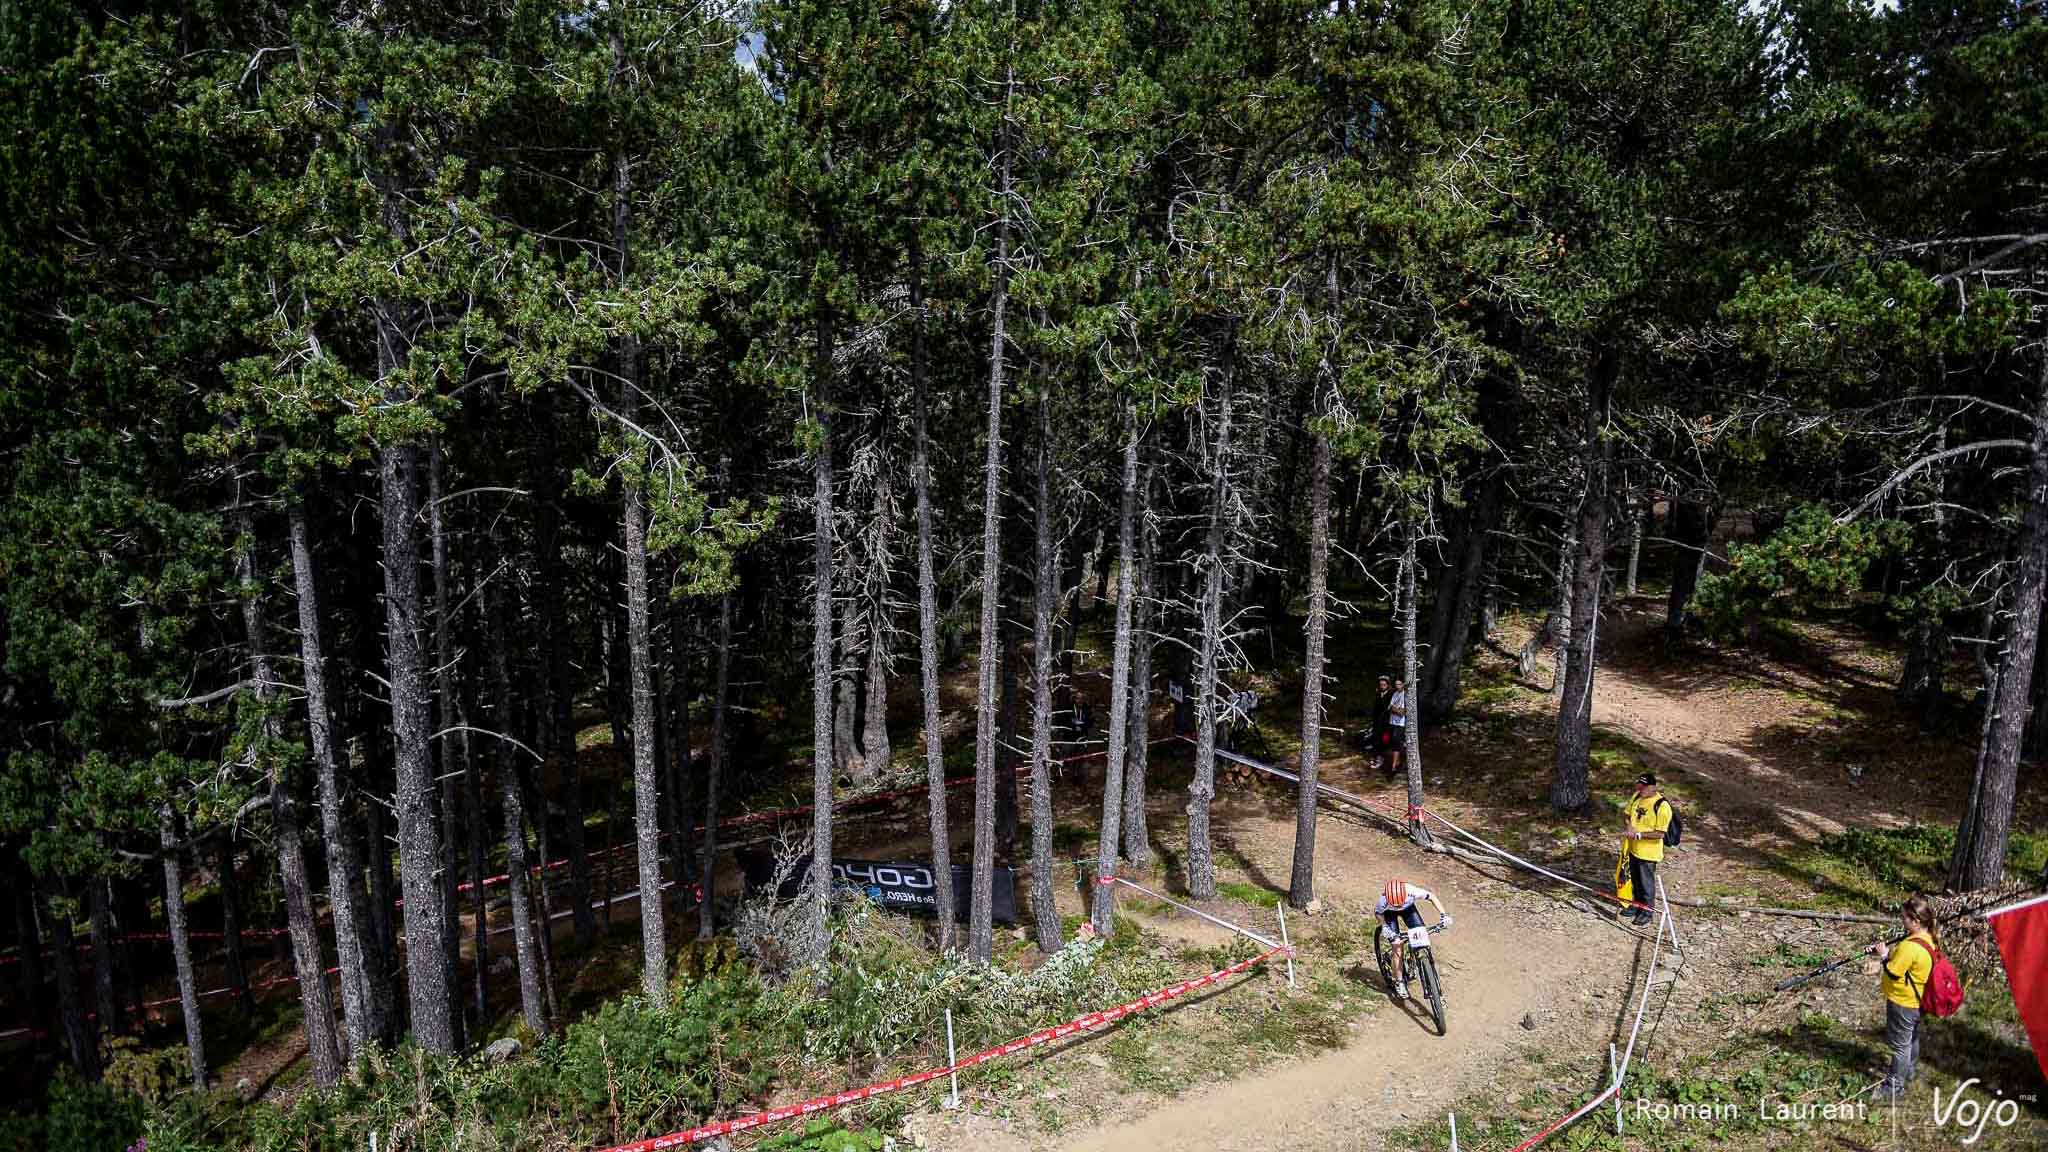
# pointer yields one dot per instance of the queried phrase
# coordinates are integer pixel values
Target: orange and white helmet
(1395, 893)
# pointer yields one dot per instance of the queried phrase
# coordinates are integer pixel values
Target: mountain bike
(1421, 965)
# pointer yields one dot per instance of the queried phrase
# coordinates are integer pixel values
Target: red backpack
(1943, 995)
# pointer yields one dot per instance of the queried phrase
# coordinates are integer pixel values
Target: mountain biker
(1396, 909)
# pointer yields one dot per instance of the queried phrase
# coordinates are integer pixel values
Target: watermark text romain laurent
(1767, 1109)
(1964, 1112)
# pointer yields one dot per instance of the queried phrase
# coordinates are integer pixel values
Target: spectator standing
(1397, 724)
(1648, 818)
(1903, 980)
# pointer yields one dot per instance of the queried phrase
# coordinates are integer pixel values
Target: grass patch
(1248, 894)
(1814, 1061)
(1883, 865)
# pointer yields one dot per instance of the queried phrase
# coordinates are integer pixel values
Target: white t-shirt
(1397, 713)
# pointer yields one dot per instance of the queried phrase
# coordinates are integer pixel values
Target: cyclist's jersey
(1415, 892)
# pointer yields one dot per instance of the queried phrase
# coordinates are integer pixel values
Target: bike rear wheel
(1433, 991)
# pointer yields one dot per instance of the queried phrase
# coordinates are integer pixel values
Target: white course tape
(1536, 868)
(1220, 923)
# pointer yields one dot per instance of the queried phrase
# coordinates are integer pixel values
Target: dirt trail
(1395, 1071)
(1511, 955)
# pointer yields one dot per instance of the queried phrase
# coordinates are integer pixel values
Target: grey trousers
(1902, 1033)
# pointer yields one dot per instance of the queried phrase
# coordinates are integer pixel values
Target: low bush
(721, 1040)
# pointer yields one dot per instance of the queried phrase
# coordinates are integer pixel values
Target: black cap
(1647, 778)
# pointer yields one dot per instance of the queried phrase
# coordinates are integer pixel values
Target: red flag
(2022, 931)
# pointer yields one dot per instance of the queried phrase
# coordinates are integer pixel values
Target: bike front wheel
(1383, 952)
(1432, 990)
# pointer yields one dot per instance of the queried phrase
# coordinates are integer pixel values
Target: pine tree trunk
(875, 727)
(824, 766)
(1489, 598)
(1635, 545)
(231, 926)
(1411, 732)
(1692, 526)
(618, 710)
(301, 919)
(132, 899)
(1440, 692)
(845, 713)
(1985, 830)
(1920, 687)
(1137, 838)
(387, 1016)
(1569, 789)
(1201, 865)
(980, 927)
(35, 1005)
(344, 876)
(714, 774)
(525, 942)
(875, 743)
(181, 943)
(639, 654)
(419, 841)
(1045, 598)
(677, 760)
(533, 800)
(454, 748)
(1007, 710)
(474, 817)
(81, 1037)
(100, 918)
(560, 711)
(1301, 886)
(1443, 578)
(928, 638)
(1561, 612)
(1102, 914)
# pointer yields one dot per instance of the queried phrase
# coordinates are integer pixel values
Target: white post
(1281, 907)
(1454, 1132)
(1670, 919)
(952, 1072)
(1614, 1075)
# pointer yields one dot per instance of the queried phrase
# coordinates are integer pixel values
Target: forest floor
(1800, 790)
(1801, 785)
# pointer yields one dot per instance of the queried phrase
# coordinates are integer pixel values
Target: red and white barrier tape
(1088, 1023)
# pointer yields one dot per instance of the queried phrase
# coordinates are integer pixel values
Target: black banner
(900, 886)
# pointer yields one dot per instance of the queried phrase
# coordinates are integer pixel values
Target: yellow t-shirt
(1906, 971)
(1648, 815)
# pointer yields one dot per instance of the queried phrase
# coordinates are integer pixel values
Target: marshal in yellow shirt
(1906, 970)
(1648, 816)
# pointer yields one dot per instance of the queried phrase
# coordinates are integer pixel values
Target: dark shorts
(1395, 917)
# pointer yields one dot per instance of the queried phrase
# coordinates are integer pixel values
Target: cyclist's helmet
(1395, 893)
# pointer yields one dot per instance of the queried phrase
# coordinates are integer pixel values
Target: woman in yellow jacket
(1903, 980)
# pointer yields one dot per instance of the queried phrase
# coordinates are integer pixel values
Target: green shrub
(1810, 561)
(880, 996)
(76, 1117)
